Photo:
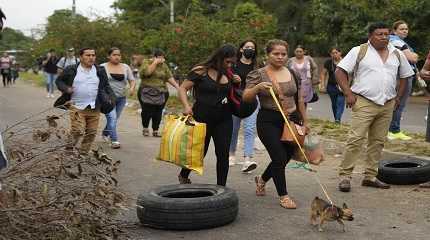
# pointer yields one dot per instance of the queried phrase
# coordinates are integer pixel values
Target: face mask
(248, 53)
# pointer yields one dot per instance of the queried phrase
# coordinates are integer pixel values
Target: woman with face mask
(307, 70)
(246, 62)
(211, 86)
(119, 74)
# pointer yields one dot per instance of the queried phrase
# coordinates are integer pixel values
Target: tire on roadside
(404, 172)
(187, 207)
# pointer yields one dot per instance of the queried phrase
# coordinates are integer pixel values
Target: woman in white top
(306, 68)
(119, 75)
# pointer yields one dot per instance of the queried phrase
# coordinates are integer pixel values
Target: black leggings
(7, 80)
(270, 125)
(219, 127)
(152, 112)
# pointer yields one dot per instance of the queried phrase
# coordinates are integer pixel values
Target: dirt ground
(402, 212)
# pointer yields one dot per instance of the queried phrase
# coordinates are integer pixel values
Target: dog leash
(298, 144)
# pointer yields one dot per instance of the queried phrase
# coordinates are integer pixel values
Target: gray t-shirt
(65, 62)
(120, 87)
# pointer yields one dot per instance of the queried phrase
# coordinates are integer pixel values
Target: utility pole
(74, 8)
(172, 11)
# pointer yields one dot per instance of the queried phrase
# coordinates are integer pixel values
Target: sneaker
(231, 160)
(115, 145)
(156, 134)
(48, 95)
(391, 136)
(145, 132)
(249, 166)
(52, 96)
(398, 136)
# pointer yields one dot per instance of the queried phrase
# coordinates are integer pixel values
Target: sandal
(287, 202)
(145, 132)
(260, 190)
(184, 180)
(156, 134)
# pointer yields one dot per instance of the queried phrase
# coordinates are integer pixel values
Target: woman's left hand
(131, 91)
(307, 129)
(236, 78)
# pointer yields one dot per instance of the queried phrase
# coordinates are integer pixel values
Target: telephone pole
(172, 11)
(74, 8)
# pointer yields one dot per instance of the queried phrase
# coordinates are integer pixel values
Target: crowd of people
(373, 79)
(9, 69)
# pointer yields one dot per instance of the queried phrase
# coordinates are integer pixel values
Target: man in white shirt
(83, 87)
(67, 60)
(372, 97)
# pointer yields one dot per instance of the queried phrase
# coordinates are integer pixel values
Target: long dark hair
(216, 60)
(239, 53)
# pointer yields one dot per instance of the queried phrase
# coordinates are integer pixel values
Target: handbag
(107, 101)
(294, 126)
(183, 142)
(152, 95)
(238, 107)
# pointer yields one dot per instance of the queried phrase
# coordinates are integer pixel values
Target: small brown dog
(327, 212)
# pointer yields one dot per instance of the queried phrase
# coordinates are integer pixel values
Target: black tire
(188, 207)
(404, 172)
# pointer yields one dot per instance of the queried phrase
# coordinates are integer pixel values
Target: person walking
(336, 96)
(246, 62)
(210, 90)
(85, 89)
(270, 123)
(67, 60)
(50, 69)
(372, 97)
(397, 38)
(153, 92)
(14, 70)
(5, 65)
(119, 74)
(307, 71)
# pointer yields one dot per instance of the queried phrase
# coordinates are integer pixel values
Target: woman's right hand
(188, 111)
(263, 86)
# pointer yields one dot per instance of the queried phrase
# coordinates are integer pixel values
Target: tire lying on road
(188, 207)
(405, 171)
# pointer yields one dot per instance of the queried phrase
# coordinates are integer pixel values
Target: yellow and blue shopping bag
(183, 142)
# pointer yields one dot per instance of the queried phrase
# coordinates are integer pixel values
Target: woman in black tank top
(210, 89)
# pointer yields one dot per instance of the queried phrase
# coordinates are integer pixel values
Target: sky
(24, 15)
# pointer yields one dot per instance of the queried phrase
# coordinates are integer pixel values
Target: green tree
(14, 39)
(191, 39)
(64, 31)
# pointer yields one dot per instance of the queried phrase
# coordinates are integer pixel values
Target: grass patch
(339, 132)
(37, 79)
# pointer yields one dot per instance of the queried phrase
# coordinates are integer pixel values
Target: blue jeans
(249, 125)
(337, 101)
(112, 119)
(397, 114)
(50, 82)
